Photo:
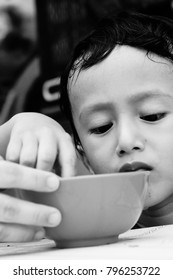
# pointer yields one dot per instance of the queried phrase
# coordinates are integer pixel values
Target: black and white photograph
(86, 139)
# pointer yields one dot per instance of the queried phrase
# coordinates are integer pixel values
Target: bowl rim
(106, 175)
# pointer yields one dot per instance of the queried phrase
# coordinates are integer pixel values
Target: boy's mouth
(135, 166)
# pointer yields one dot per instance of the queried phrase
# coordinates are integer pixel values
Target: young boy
(118, 95)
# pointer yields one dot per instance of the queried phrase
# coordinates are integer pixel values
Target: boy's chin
(162, 203)
(154, 203)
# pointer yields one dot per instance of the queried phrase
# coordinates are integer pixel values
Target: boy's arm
(35, 140)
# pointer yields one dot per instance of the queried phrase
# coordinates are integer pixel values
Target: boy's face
(123, 113)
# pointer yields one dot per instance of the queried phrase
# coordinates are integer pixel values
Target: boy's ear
(80, 149)
(84, 158)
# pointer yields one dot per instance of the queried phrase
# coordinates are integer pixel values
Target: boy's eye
(153, 117)
(101, 129)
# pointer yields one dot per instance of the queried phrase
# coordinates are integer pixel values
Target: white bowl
(95, 208)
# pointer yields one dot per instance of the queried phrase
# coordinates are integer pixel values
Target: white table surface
(148, 243)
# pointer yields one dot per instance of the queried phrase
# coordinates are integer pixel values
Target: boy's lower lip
(135, 166)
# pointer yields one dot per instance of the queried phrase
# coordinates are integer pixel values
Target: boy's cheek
(101, 165)
(101, 159)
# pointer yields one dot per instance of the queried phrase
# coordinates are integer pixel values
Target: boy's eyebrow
(95, 107)
(133, 98)
(150, 94)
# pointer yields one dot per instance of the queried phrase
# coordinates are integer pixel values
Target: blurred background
(36, 40)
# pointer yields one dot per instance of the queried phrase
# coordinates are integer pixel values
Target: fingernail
(54, 219)
(53, 182)
(39, 235)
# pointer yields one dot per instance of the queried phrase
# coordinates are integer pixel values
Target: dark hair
(154, 34)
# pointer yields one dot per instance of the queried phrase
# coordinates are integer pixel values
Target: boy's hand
(35, 141)
(38, 141)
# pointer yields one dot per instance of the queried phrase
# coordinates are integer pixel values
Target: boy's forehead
(124, 61)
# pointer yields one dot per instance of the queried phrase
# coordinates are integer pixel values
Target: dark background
(36, 43)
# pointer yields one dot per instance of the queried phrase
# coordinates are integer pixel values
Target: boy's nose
(129, 138)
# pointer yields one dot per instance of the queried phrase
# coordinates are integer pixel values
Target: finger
(14, 210)
(20, 233)
(15, 176)
(2, 190)
(67, 156)
(13, 149)
(47, 150)
(28, 154)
